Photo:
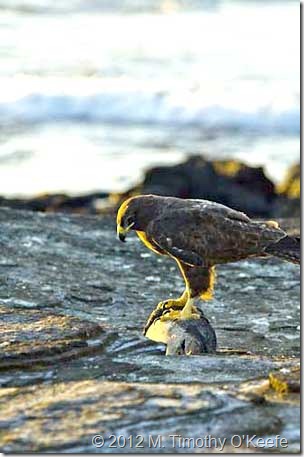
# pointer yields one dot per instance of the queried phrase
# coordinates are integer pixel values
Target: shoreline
(230, 182)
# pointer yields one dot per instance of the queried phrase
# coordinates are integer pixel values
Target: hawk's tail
(287, 248)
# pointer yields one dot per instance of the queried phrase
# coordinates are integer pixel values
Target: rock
(281, 385)
(74, 363)
(290, 193)
(286, 380)
(67, 416)
(229, 182)
(87, 204)
(30, 336)
(291, 225)
(291, 184)
(184, 336)
(191, 337)
(246, 176)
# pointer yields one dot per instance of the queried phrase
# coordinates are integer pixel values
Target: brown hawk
(199, 234)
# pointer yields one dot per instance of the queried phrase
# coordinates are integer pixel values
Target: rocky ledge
(74, 363)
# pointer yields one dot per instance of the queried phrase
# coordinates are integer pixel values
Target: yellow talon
(272, 224)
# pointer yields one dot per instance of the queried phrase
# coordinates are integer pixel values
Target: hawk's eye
(129, 221)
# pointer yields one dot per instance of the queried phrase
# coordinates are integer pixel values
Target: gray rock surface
(74, 364)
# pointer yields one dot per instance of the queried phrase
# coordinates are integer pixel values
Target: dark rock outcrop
(87, 204)
(290, 193)
(231, 183)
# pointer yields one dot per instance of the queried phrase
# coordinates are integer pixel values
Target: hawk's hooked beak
(122, 232)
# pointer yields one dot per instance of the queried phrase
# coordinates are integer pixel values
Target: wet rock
(74, 361)
(29, 336)
(184, 336)
(191, 337)
(282, 385)
(86, 204)
(67, 416)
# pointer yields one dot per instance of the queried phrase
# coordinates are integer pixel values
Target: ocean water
(92, 92)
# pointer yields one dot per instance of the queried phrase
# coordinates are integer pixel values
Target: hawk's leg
(190, 311)
(165, 308)
(199, 285)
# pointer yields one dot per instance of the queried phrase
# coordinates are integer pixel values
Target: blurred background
(93, 92)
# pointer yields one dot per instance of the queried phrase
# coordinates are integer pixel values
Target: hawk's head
(134, 214)
(126, 218)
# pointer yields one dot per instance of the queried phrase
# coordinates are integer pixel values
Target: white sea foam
(245, 106)
(92, 92)
(215, 64)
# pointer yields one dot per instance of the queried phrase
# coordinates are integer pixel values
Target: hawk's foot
(170, 303)
(162, 308)
(172, 310)
(177, 303)
(174, 314)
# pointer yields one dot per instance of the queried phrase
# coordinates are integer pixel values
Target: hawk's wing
(210, 208)
(205, 233)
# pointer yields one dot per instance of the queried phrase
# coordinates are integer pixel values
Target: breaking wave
(155, 107)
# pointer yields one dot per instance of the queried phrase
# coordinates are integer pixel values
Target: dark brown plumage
(200, 234)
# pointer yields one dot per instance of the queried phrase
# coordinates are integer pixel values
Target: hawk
(199, 234)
